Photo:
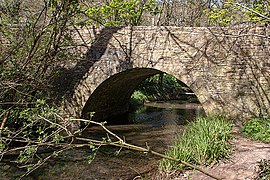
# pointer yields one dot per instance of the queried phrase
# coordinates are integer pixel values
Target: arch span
(111, 98)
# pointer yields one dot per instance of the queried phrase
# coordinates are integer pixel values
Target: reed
(204, 142)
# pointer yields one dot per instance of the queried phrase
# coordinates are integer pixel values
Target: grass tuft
(204, 142)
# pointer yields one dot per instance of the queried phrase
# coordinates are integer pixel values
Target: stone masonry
(227, 68)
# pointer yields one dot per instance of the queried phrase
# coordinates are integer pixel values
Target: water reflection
(156, 123)
(166, 113)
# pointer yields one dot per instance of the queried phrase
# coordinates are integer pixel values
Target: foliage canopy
(229, 12)
(121, 12)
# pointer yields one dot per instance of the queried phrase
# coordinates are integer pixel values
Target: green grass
(258, 129)
(204, 142)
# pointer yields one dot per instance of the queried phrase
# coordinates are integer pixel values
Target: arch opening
(111, 98)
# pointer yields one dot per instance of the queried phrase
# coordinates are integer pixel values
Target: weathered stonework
(228, 69)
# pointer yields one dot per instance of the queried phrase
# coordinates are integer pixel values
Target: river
(155, 124)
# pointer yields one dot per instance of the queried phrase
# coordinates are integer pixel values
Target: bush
(161, 87)
(258, 129)
(137, 98)
(264, 172)
(204, 142)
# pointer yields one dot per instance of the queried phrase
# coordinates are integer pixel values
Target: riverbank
(243, 163)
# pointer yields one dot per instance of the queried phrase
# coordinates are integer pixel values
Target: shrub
(138, 98)
(264, 172)
(162, 87)
(258, 129)
(204, 142)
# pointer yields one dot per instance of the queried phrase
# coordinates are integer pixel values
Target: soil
(242, 165)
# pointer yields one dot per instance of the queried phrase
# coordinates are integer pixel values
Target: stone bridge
(228, 69)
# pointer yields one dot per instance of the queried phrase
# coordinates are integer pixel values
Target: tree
(183, 13)
(120, 12)
(229, 12)
(34, 43)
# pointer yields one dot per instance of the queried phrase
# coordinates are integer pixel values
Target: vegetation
(258, 129)
(121, 12)
(264, 173)
(232, 12)
(175, 12)
(137, 98)
(147, 12)
(160, 87)
(36, 43)
(33, 46)
(204, 142)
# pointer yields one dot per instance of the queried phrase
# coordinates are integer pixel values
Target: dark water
(154, 125)
(165, 113)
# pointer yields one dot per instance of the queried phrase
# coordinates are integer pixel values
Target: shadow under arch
(111, 97)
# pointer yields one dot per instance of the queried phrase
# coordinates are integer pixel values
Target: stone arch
(143, 63)
(111, 97)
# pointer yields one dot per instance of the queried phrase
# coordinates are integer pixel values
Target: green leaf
(90, 159)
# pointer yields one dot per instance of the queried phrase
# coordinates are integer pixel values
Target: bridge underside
(111, 98)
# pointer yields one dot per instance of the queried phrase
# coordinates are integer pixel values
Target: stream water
(155, 124)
